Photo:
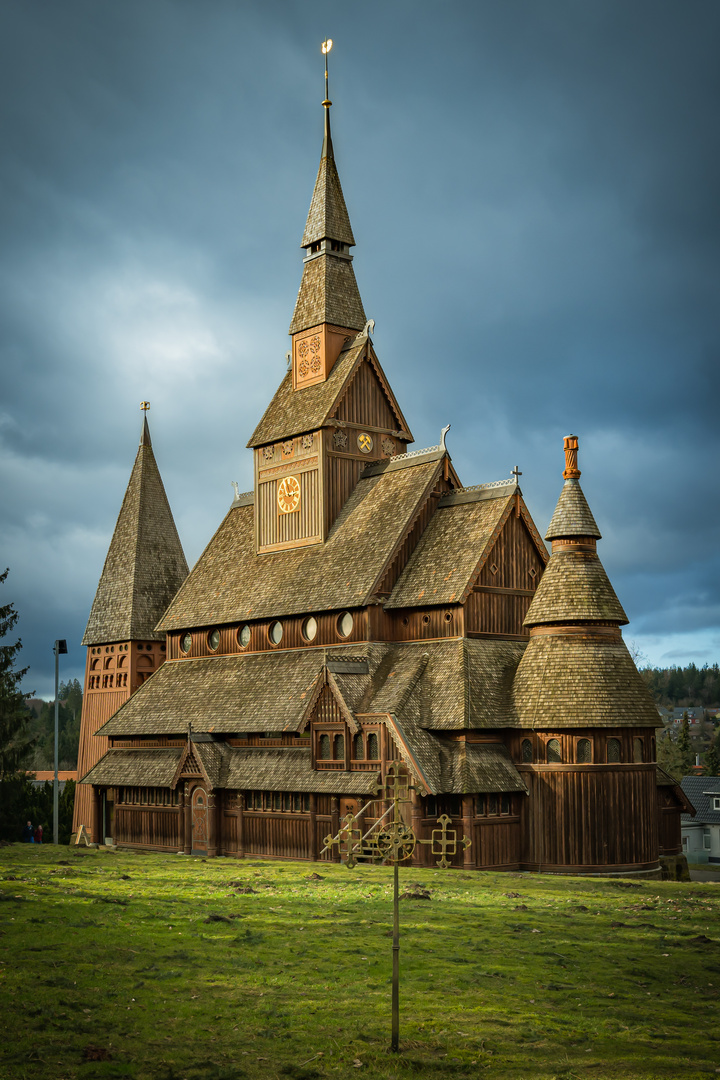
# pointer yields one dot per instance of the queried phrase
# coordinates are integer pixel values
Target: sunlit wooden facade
(361, 606)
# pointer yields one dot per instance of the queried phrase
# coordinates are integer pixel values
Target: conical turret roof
(328, 218)
(574, 588)
(572, 516)
(145, 565)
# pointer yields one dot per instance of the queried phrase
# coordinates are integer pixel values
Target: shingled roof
(293, 412)
(153, 767)
(450, 551)
(230, 582)
(574, 588)
(572, 516)
(328, 217)
(565, 682)
(145, 564)
(328, 294)
(482, 767)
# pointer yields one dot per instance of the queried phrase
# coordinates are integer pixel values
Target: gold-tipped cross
(144, 405)
(394, 842)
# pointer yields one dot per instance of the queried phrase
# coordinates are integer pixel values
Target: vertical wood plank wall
(365, 402)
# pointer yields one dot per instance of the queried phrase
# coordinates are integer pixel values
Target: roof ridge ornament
(368, 328)
(443, 433)
(571, 471)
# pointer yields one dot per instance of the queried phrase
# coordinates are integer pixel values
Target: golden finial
(144, 405)
(327, 142)
(571, 471)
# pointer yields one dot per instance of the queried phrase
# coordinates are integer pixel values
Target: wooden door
(199, 821)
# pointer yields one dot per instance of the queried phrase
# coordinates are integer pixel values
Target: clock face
(288, 494)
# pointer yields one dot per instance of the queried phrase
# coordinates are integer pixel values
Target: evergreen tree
(712, 759)
(15, 743)
(684, 745)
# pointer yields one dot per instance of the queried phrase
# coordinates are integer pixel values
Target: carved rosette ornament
(388, 446)
(365, 442)
(268, 453)
(288, 495)
(287, 448)
(307, 442)
(309, 356)
(340, 439)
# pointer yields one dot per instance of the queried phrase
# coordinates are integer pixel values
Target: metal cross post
(394, 842)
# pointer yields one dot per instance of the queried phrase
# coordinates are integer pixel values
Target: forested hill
(676, 687)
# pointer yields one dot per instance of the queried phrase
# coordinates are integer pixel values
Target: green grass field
(122, 964)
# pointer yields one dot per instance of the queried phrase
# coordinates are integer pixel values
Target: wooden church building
(361, 606)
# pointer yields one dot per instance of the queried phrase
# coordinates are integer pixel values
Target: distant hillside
(684, 686)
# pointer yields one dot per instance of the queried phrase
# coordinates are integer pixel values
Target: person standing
(28, 836)
(38, 835)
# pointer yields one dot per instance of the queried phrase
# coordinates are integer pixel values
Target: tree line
(680, 687)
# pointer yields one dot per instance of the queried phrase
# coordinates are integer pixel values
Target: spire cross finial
(326, 47)
(517, 474)
(144, 405)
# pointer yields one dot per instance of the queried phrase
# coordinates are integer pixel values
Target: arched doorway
(199, 821)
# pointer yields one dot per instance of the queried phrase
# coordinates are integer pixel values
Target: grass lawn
(123, 964)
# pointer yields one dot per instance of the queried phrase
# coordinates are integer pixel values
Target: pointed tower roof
(572, 516)
(328, 290)
(145, 565)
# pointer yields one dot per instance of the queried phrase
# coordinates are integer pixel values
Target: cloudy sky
(533, 186)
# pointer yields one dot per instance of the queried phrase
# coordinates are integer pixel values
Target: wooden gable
(507, 576)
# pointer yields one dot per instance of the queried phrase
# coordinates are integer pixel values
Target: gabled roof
(701, 791)
(293, 412)
(230, 582)
(455, 545)
(328, 293)
(574, 588)
(145, 564)
(572, 516)
(566, 682)
(154, 767)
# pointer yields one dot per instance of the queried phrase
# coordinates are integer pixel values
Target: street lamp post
(59, 647)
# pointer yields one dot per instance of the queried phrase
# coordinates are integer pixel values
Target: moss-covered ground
(123, 964)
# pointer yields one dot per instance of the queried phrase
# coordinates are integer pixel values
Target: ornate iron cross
(393, 842)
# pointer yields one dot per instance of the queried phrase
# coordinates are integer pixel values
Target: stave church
(361, 606)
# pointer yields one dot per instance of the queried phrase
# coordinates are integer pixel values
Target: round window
(275, 632)
(214, 639)
(309, 628)
(345, 624)
(243, 636)
(186, 642)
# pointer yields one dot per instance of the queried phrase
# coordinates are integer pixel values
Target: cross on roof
(517, 474)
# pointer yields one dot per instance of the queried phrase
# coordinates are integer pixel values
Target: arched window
(638, 750)
(553, 751)
(583, 753)
(359, 747)
(324, 748)
(527, 753)
(613, 750)
(373, 748)
(339, 747)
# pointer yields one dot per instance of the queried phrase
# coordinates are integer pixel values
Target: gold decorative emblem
(288, 495)
(309, 356)
(365, 442)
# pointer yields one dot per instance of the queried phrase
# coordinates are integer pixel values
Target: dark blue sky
(534, 192)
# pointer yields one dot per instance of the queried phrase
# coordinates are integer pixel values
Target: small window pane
(309, 628)
(287, 801)
(613, 750)
(505, 804)
(584, 751)
(492, 804)
(324, 754)
(373, 747)
(275, 633)
(244, 636)
(339, 747)
(297, 803)
(214, 639)
(638, 750)
(553, 750)
(345, 624)
(186, 642)
(527, 753)
(359, 748)
(479, 806)
(431, 806)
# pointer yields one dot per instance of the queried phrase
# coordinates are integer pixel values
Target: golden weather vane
(393, 842)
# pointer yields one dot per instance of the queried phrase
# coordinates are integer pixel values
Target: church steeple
(328, 305)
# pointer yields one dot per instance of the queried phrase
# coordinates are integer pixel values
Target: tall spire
(328, 290)
(145, 564)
